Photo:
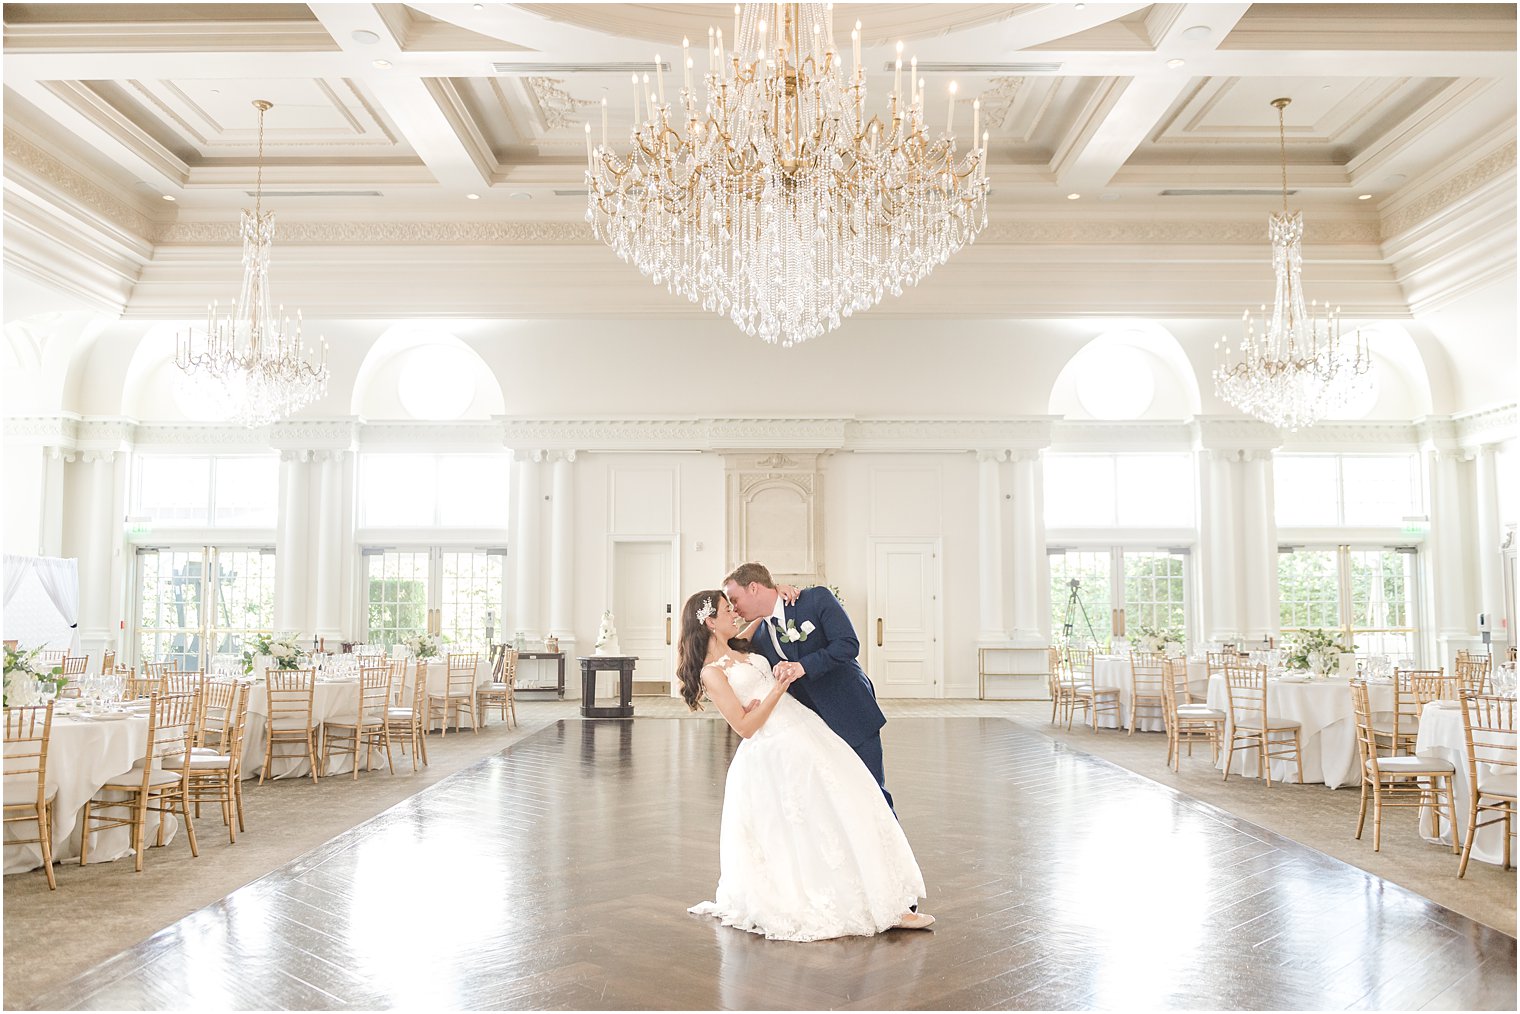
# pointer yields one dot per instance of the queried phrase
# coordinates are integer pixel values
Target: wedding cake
(606, 636)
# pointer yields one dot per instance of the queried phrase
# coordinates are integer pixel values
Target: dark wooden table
(593, 664)
(557, 655)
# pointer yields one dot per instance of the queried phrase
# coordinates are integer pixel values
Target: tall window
(458, 593)
(200, 606)
(1366, 594)
(433, 490)
(1346, 490)
(1119, 490)
(198, 491)
(1118, 590)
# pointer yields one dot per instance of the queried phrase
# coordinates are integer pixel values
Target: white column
(561, 547)
(51, 536)
(290, 544)
(990, 547)
(95, 559)
(1031, 588)
(526, 604)
(1490, 545)
(1450, 603)
(1217, 546)
(1258, 547)
(327, 547)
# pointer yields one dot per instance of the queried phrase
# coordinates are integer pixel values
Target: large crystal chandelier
(253, 354)
(1299, 367)
(776, 200)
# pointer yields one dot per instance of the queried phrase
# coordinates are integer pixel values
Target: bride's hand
(787, 673)
(789, 593)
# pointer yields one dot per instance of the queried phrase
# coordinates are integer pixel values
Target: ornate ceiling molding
(560, 108)
(56, 175)
(1487, 169)
(44, 430)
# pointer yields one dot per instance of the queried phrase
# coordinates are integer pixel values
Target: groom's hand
(792, 670)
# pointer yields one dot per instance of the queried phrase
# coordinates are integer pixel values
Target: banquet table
(1112, 672)
(1327, 733)
(1442, 737)
(83, 755)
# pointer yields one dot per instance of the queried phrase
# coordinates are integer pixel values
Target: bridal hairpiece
(705, 610)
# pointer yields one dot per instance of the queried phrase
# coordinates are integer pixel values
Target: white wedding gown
(808, 848)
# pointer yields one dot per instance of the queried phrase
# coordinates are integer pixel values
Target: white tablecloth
(333, 702)
(83, 754)
(1112, 672)
(1327, 735)
(438, 683)
(1442, 736)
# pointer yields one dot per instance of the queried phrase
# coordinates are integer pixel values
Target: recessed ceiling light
(382, 65)
(1397, 178)
(1073, 197)
(170, 197)
(479, 7)
(365, 36)
(473, 197)
(1197, 32)
(522, 195)
(1364, 197)
(1175, 63)
(1080, 6)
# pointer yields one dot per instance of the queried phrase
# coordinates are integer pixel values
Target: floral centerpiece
(422, 645)
(284, 651)
(1158, 639)
(1315, 651)
(23, 667)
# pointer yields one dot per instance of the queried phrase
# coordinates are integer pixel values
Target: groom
(814, 637)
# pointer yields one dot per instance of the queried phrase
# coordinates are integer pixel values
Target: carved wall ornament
(560, 108)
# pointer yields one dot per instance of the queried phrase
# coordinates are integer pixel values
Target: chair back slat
(290, 695)
(1488, 721)
(1080, 663)
(374, 693)
(28, 731)
(1246, 688)
(462, 674)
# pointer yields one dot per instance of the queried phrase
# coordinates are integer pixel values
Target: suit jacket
(836, 687)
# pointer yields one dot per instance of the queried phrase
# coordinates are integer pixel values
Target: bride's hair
(692, 650)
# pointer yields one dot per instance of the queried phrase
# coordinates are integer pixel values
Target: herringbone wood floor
(557, 874)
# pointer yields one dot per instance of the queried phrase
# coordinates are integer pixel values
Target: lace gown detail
(808, 848)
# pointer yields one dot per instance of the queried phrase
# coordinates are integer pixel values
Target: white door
(643, 607)
(903, 653)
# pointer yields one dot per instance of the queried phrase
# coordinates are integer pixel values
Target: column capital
(983, 454)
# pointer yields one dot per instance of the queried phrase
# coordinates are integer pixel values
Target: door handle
(1123, 624)
(878, 631)
(667, 630)
(1113, 621)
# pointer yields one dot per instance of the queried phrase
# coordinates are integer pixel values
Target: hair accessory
(706, 609)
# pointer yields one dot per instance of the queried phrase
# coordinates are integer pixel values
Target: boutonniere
(792, 633)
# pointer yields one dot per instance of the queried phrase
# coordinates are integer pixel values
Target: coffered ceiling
(475, 113)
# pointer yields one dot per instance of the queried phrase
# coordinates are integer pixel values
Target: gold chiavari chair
(1253, 727)
(73, 672)
(157, 670)
(1396, 781)
(216, 776)
(1412, 690)
(289, 720)
(51, 657)
(459, 693)
(1180, 681)
(1062, 695)
(107, 661)
(1086, 694)
(142, 686)
(1147, 672)
(1215, 661)
(1488, 721)
(189, 681)
(218, 711)
(1473, 674)
(369, 727)
(1187, 722)
(28, 734)
(500, 692)
(407, 716)
(149, 785)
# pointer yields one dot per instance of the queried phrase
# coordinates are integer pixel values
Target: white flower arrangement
(422, 645)
(283, 649)
(792, 634)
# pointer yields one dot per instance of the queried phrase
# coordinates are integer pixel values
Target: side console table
(593, 664)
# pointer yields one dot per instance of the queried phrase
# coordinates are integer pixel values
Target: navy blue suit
(835, 687)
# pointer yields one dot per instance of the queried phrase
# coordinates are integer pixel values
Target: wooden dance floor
(557, 875)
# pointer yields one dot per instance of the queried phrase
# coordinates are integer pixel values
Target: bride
(808, 848)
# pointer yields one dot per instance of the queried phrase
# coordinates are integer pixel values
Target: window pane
(397, 490)
(472, 490)
(1079, 491)
(398, 595)
(247, 491)
(1308, 589)
(1306, 489)
(174, 488)
(244, 592)
(1155, 490)
(169, 590)
(473, 591)
(1153, 593)
(1090, 612)
(1381, 489)
(1381, 584)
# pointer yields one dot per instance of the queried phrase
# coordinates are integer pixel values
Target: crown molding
(1136, 435)
(1471, 430)
(61, 430)
(1353, 436)
(58, 183)
(1450, 190)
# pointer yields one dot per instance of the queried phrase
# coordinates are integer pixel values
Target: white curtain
(16, 570)
(60, 582)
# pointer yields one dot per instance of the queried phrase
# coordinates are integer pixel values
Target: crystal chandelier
(1298, 367)
(259, 362)
(776, 200)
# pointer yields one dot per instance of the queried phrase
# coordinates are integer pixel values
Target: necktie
(775, 627)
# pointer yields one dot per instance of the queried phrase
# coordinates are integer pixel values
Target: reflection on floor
(557, 874)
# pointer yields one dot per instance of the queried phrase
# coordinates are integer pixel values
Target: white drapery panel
(59, 579)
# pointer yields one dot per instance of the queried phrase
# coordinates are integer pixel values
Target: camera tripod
(1073, 606)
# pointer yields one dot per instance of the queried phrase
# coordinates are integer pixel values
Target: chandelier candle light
(776, 200)
(1298, 367)
(261, 363)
